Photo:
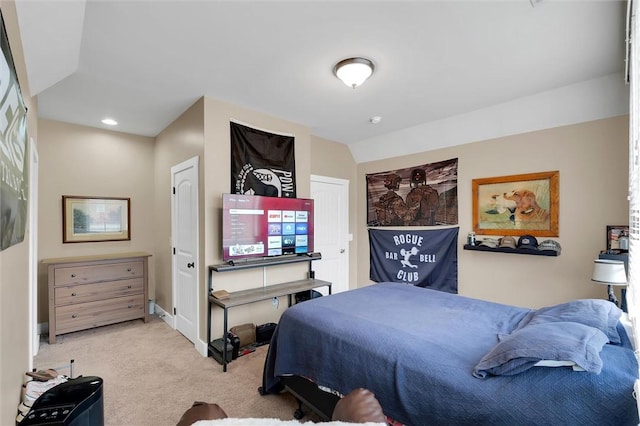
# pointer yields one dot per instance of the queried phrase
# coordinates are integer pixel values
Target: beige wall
(180, 141)
(335, 160)
(14, 263)
(592, 160)
(218, 114)
(79, 160)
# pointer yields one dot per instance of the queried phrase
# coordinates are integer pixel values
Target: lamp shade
(609, 272)
(353, 71)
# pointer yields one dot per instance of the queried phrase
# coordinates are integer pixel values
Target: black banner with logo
(262, 163)
(424, 258)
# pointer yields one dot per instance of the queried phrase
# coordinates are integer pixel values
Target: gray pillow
(597, 313)
(556, 341)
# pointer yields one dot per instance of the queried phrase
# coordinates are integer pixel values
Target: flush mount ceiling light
(353, 71)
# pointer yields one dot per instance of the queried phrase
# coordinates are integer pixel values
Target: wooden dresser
(91, 291)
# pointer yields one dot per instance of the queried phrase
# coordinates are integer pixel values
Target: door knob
(191, 265)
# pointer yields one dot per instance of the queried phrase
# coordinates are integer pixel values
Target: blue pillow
(597, 313)
(556, 341)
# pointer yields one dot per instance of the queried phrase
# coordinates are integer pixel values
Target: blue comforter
(416, 349)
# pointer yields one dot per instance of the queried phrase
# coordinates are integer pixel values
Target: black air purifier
(77, 402)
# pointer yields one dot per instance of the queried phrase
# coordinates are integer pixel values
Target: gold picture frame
(526, 204)
(95, 219)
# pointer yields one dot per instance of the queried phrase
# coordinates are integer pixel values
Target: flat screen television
(255, 226)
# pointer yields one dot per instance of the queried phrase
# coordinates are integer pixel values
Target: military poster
(424, 258)
(425, 195)
(262, 163)
(14, 173)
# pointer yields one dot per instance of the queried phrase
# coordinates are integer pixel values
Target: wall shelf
(266, 261)
(513, 251)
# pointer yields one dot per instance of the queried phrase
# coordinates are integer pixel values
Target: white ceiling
(145, 62)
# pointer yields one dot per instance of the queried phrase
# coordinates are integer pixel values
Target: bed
(434, 358)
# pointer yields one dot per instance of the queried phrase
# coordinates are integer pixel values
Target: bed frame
(308, 393)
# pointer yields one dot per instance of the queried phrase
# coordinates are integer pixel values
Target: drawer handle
(74, 316)
(129, 269)
(128, 286)
(130, 306)
(73, 294)
(73, 275)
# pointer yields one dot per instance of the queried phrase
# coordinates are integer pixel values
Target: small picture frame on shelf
(617, 239)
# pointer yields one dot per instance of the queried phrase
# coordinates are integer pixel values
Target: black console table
(244, 297)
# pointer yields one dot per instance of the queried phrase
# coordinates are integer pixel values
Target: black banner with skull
(424, 258)
(262, 163)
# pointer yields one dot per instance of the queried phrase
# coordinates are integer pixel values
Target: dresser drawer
(97, 291)
(97, 273)
(94, 314)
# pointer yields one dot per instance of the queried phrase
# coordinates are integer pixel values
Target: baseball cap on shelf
(527, 242)
(489, 242)
(508, 242)
(550, 245)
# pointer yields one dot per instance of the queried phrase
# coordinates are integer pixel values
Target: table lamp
(609, 273)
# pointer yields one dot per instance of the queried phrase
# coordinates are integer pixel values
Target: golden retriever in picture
(527, 209)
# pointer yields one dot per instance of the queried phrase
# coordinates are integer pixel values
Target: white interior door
(184, 235)
(331, 227)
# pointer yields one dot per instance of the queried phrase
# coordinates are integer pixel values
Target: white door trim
(34, 337)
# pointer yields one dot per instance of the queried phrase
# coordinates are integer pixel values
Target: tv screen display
(255, 226)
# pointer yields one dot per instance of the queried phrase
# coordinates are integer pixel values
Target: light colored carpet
(152, 374)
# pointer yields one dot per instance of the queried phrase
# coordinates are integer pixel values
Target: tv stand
(244, 297)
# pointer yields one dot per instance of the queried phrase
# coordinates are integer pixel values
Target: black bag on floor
(216, 349)
(264, 333)
(306, 295)
(235, 341)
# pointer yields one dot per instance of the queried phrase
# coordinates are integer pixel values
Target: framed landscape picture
(93, 219)
(525, 204)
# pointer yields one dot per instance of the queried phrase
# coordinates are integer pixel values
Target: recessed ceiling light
(109, 122)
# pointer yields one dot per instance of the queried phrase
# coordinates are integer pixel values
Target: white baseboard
(202, 348)
(43, 328)
(165, 316)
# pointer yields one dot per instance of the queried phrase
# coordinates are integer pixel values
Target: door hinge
(174, 311)
(174, 190)
(174, 250)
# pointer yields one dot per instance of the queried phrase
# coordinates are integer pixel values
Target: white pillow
(552, 363)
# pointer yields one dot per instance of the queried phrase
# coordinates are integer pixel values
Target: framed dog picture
(524, 204)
